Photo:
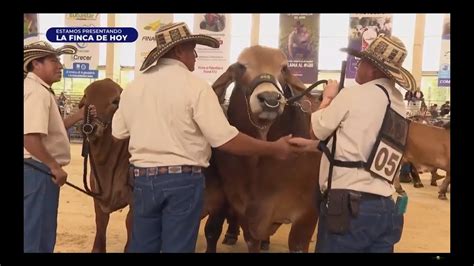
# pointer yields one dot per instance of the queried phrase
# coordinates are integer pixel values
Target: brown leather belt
(163, 170)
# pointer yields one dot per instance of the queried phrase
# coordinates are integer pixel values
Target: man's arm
(243, 144)
(34, 145)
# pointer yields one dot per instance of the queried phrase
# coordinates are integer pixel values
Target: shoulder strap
(386, 93)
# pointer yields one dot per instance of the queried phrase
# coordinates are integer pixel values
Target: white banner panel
(212, 62)
(87, 56)
(147, 25)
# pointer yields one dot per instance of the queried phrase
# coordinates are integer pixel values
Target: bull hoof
(229, 240)
(418, 185)
(434, 184)
(442, 196)
(264, 245)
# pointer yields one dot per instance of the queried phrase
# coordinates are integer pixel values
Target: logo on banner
(81, 70)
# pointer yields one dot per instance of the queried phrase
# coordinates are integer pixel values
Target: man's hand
(283, 148)
(306, 145)
(60, 176)
(331, 89)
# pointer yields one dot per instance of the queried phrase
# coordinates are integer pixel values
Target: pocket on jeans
(138, 202)
(31, 181)
(181, 200)
(397, 223)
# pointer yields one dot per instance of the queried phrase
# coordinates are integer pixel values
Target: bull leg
(128, 224)
(416, 177)
(301, 232)
(435, 177)
(233, 230)
(253, 244)
(101, 222)
(213, 230)
(444, 187)
(265, 244)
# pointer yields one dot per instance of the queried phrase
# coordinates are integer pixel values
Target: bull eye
(279, 97)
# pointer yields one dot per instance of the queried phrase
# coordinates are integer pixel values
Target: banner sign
(444, 74)
(84, 63)
(299, 40)
(212, 62)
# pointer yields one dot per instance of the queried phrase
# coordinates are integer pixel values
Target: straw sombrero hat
(170, 35)
(388, 54)
(41, 49)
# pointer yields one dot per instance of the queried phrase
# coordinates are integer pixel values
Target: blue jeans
(375, 230)
(166, 213)
(40, 209)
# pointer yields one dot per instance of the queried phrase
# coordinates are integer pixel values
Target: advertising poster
(84, 63)
(299, 40)
(147, 25)
(444, 74)
(30, 28)
(364, 28)
(212, 62)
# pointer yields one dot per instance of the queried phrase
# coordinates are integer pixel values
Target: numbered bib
(386, 161)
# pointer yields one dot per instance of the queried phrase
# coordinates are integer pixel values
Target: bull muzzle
(270, 101)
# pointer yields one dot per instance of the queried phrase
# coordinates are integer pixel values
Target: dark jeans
(166, 212)
(40, 209)
(376, 229)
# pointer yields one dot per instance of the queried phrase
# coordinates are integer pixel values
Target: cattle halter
(263, 127)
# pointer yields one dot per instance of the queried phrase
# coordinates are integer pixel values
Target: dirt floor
(427, 221)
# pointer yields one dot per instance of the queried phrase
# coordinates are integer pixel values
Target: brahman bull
(263, 192)
(428, 148)
(108, 159)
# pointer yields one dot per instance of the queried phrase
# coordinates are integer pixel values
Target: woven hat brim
(39, 52)
(158, 52)
(400, 75)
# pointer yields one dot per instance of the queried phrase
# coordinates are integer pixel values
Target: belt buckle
(136, 172)
(175, 169)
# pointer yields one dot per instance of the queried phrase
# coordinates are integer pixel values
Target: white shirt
(41, 115)
(358, 111)
(172, 118)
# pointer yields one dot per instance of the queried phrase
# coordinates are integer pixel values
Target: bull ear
(233, 73)
(294, 82)
(82, 102)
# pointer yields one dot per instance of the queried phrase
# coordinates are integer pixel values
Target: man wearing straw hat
(46, 145)
(353, 119)
(173, 118)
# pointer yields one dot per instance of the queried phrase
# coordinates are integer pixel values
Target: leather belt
(163, 170)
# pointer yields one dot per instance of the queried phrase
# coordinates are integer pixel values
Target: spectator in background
(434, 110)
(445, 109)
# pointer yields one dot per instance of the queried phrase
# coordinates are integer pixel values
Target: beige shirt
(41, 115)
(358, 111)
(172, 118)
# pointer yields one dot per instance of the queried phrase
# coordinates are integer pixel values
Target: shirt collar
(33, 76)
(170, 61)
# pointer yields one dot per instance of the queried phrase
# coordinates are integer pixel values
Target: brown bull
(263, 192)
(429, 148)
(108, 160)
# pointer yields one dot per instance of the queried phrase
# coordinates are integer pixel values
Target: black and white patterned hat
(388, 54)
(172, 34)
(41, 49)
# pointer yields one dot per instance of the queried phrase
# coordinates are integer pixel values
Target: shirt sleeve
(325, 121)
(119, 127)
(210, 118)
(36, 111)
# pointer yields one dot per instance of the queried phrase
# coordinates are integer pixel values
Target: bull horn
(310, 88)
